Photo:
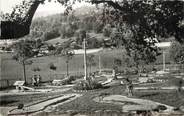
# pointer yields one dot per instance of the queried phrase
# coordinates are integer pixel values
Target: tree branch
(115, 5)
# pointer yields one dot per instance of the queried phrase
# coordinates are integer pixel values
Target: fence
(7, 83)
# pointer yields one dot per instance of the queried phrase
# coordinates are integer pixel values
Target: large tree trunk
(13, 29)
(138, 69)
(24, 72)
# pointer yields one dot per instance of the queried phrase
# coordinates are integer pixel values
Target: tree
(98, 27)
(52, 66)
(117, 62)
(107, 30)
(51, 48)
(93, 43)
(23, 52)
(90, 61)
(17, 24)
(68, 56)
(143, 56)
(147, 18)
(67, 31)
(69, 27)
(128, 61)
(50, 34)
(65, 51)
(176, 52)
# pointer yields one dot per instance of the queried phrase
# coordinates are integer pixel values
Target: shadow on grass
(6, 102)
(148, 95)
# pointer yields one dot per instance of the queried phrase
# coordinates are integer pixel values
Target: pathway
(15, 92)
(160, 88)
(4, 110)
(43, 104)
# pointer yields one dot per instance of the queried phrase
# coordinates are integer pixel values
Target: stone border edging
(84, 91)
(141, 102)
(56, 105)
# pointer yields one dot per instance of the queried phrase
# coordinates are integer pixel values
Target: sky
(43, 10)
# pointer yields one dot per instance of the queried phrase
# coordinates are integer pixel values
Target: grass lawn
(169, 97)
(172, 98)
(10, 69)
(86, 104)
(14, 100)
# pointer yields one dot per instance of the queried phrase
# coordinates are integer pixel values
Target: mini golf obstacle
(41, 105)
(134, 104)
(20, 86)
(109, 80)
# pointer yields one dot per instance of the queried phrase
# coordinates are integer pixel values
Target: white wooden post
(85, 63)
(99, 63)
(163, 60)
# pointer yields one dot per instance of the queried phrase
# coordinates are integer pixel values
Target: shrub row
(87, 85)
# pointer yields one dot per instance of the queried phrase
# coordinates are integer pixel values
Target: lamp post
(85, 63)
(83, 36)
(99, 62)
(163, 60)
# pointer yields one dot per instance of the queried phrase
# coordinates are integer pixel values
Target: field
(11, 70)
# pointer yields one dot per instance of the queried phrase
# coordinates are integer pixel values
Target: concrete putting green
(42, 104)
(134, 104)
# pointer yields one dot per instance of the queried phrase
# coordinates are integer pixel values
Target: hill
(66, 26)
(85, 11)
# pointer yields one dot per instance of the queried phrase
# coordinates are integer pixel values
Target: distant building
(163, 44)
(6, 43)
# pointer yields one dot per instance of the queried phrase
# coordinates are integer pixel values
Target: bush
(130, 71)
(52, 66)
(95, 85)
(107, 31)
(87, 85)
(48, 35)
(82, 85)
(68, 80)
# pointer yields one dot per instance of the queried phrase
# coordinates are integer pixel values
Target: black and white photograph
(91, 57)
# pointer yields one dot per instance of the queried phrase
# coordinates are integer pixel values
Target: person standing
(114, 73)
(129, 87)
